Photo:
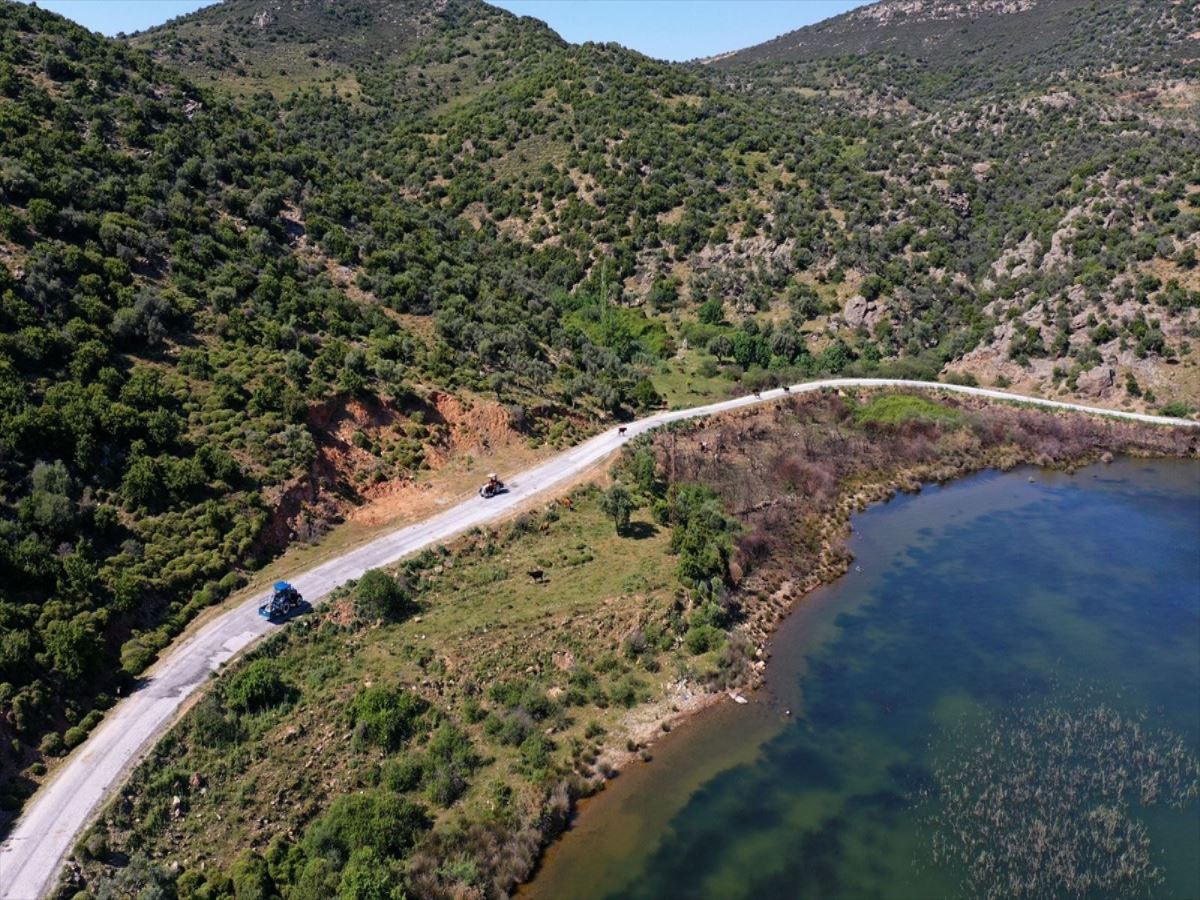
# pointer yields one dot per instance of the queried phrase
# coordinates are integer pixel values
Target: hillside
(249, 46)
(188, 383)
(877, 204)
(1061, 35)
(271, 259)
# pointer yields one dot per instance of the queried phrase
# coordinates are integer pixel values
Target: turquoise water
(923, 702)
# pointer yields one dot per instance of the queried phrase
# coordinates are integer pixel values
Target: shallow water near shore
(912, 739)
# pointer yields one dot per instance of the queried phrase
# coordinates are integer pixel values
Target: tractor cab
(284, 600)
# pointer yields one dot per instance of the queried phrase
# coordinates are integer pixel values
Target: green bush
(386, 717)
(626, 692)
(536, 752)
(368, 876)
(380, 596)
(1176, 410)
(52, 744)
(210, 726)
(251, 879)
(702, 638)
(387, 823)
(404, 773)
(508, 729)
(892, 410)
(257, 687)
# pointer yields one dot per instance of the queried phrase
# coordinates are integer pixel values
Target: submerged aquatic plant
(1044, 803)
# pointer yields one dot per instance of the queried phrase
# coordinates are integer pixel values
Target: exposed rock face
(855, 312)
(1097, 382)
(861, 311)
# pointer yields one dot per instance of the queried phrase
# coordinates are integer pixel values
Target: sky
(666, 29)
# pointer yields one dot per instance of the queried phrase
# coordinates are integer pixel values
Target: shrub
(368, 876)
(891, 410)
(257, 687)
(52, 744)
(138, 652)
(509, 729)
(535, 753)
(626, 691)
(386, 823)
(386, 717)
(1176, 410)
(209, 724)
(380, 596)
(251, 880)
(403, 774)
(702, 638)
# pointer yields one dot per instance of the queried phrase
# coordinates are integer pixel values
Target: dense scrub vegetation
(163, 341)
(405, 197)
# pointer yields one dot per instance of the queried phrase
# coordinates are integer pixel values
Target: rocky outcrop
(861, 311)
(1097, 382)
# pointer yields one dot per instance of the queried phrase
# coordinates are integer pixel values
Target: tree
(711, 312)
(50, 503)
(72, 646)
(721, 347)
(617, 504)
(644, 394)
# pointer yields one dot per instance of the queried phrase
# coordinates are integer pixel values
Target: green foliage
(451, 760)
(1176, 409)
(384, 823)
(703, 638)
(251, 879)
(368, 876)
(256, 687)
(537, 753)
(379, 596)
(462, 200)
(617, 504)
(385, 717)
(701, 533)
(893, 410)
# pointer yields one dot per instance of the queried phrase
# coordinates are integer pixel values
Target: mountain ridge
(944, 33)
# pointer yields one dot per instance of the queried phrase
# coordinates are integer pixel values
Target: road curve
(41, 838)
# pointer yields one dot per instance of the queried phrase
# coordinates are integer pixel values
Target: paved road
(58, 812)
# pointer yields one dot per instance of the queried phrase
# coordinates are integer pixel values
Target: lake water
(1002, 697)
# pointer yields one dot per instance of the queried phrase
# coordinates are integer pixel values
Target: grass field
(572, 650)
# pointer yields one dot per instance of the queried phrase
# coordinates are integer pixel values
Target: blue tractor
(284, 601)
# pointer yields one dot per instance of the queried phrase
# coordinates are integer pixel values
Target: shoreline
(790, 601)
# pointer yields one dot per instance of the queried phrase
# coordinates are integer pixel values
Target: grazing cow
(564, 502)
(537, 575)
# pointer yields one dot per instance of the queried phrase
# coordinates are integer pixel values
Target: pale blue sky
(667, 29)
